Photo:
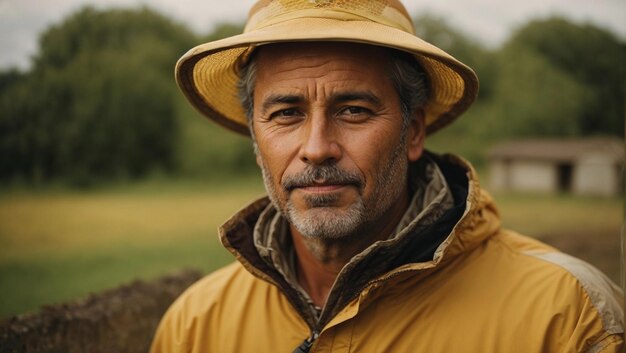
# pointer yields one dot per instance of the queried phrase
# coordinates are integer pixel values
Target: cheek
(371, 165)
(274, 158)
(373, 156)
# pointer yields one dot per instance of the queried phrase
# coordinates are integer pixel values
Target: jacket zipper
(376, 281)
(306, 345)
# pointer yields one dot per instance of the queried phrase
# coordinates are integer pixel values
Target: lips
(321, 188)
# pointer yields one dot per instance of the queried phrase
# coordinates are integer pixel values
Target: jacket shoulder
(194, 309)
(200, 296)
(597, 296)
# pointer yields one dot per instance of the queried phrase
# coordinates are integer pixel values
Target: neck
(319, 260)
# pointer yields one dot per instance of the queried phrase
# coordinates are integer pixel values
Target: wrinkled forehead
(289, 63)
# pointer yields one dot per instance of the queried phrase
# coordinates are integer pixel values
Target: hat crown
(388, 12)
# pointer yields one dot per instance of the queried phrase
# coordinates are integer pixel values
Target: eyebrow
(337, 98)
(280, 99)
(356, 96)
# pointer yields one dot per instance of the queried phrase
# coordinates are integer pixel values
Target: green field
(56, 245)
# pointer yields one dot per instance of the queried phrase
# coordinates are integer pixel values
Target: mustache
(323, 174)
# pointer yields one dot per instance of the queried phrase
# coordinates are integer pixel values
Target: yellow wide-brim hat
(208, 74)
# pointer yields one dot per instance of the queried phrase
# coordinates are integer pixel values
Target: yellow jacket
(483, 290)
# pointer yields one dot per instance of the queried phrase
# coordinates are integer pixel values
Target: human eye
(286, 116)
(354, 113)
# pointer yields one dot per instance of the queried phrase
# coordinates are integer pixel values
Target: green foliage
(9, 78)
(205, 148)
(534, 98)
(99, 101)
(590, 56)
(91, 30)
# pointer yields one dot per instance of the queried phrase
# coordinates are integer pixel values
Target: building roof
(559, 150)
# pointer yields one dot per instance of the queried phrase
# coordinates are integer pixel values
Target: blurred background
(107, 174)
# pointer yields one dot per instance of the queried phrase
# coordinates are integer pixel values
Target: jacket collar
(427, 242)
(431, 198)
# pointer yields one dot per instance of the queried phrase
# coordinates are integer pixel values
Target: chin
(327, 222)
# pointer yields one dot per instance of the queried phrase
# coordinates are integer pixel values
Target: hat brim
(208, 73)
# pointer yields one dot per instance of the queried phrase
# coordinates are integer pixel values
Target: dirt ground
(121, 320)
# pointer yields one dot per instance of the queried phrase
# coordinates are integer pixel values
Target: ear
(415, 136)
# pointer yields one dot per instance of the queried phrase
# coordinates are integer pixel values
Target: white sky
(489, 21)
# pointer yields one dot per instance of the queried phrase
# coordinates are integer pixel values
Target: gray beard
(324, 222)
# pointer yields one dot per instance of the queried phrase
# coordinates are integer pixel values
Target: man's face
(331, 143)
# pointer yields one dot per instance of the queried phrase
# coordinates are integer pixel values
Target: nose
(319, 145)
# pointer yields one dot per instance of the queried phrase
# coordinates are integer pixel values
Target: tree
(99, 101)
(91, 30)
(534, 98)
(205, 150)
(591, 56)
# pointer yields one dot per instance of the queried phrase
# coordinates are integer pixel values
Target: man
(367, 243)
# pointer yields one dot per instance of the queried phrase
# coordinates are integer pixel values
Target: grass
(56, 245)
(542, 215)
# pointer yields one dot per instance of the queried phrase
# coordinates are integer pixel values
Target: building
(579, 166)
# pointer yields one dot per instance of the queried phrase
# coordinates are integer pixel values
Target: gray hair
(407, 75)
